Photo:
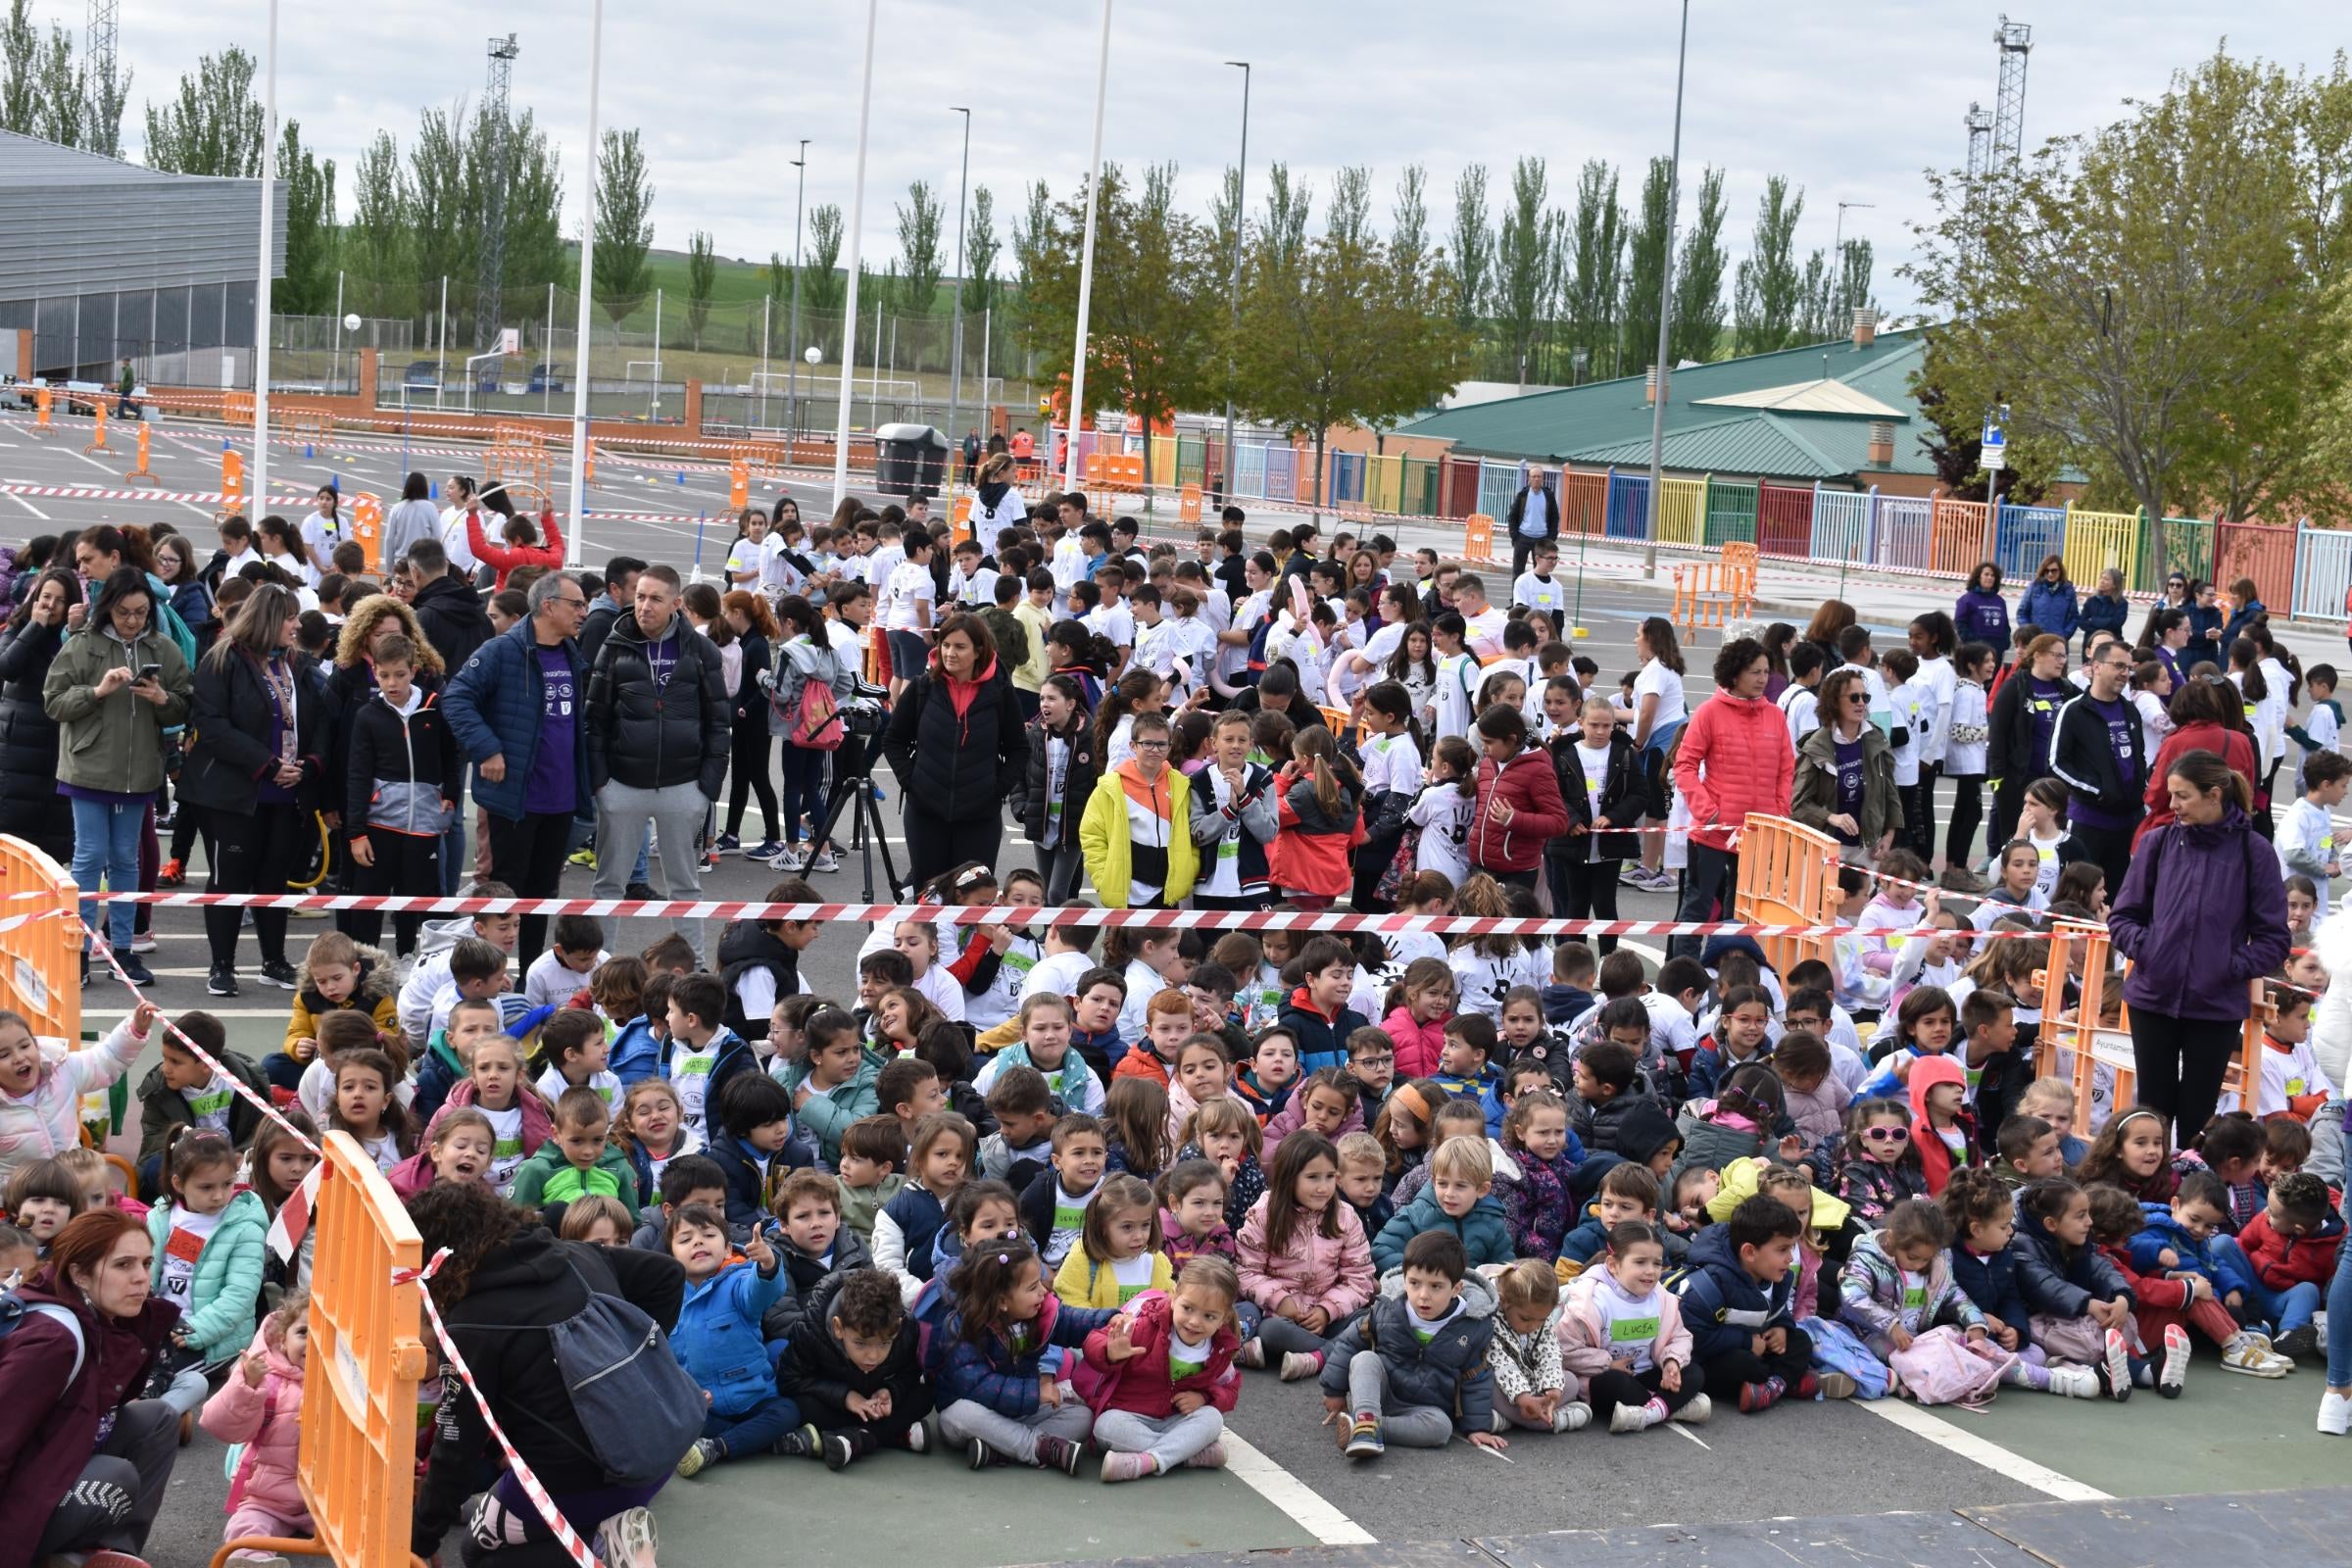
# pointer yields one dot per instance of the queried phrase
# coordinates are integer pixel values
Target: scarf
(280, 678)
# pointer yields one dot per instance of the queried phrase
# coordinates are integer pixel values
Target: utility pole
(956, 368)
(1086, 258)
(1657, 410)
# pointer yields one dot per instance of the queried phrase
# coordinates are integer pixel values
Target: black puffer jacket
(452, 617)
(231, 719)
(29, 805)
(957, 768)
(1085, 766)
(516, 1295)
(649, 736)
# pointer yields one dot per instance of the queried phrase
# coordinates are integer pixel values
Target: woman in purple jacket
(2201, 915)
(1981, 615)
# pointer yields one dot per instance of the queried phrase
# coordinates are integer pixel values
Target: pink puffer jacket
(268, 1420)
(1585, 1354)
(1733, 758)
(1418, 1044)
(1334, 1273)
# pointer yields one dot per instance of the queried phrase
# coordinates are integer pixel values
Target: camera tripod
(867, 831)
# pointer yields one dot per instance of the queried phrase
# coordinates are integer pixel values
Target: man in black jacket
(659, 736)
(448, 610)
(1535, 517)
(609, 607)
(2096, 750)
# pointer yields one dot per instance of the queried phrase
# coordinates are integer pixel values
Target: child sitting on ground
(259, 1405)
(1000, 1402)
(855, 1370)
(1167, 1375)
(1531, 1387)
(717, 1342)
(1897, 1285)
(2079, 1303)
(2174, 1242)
(813, 1245)
(1736, 1293)
(1364, 1173)
(578, 1157)
(337, 975)
(1622, 1337)
(41, 1089)
(1053, 1205)
(1414, 1369)
(868, 1173)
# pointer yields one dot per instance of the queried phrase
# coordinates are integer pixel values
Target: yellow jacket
(1104, 836)
(1082, 1282)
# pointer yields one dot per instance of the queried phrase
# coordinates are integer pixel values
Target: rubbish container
(910, 458)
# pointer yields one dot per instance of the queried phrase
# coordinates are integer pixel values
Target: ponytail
(2205, 773)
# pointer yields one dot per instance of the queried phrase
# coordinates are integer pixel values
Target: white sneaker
(824, 860)
(2335, 1414)
(789, 859)
(2250, 1353)
(1695, 1413)
(1630, 1418)
(627, 1540)
(1573, 1415)
(2074, 1381)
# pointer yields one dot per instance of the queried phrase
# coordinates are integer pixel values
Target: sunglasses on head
(1888, 1135)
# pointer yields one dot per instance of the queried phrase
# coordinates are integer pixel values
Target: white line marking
(1306, 1508)
(1982, 1450)
(30, 507)
(1692, 1435)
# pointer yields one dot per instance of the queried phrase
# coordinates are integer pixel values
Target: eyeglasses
(1150, 746)
(1888, 1135)
(1857, 699)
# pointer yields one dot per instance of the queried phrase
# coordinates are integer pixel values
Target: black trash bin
(909, 458)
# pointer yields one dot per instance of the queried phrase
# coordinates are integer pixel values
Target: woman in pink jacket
(261, 1406)
(1733, 758)
(1622, 1337)
(1304, 1259)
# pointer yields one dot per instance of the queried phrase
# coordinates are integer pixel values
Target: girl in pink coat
(261, 1407)
(1304, 1259)
(1623, 1339)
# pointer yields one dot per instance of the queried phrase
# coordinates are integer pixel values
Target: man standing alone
(1535, 517)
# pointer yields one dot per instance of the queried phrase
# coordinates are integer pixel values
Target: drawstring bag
(1944, 1366)
(1837, 1349)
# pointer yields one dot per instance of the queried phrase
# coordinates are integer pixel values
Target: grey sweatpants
(677, 813)
(1015, 1437)
(113, 1503)
(1169, 1440)
(1413, 1426)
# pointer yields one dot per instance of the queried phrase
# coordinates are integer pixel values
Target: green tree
(215, 125)
(822, 285)
(2159, 301)
(439, 206)
(920, 221)
(1595, 267)
(62, 86)
(702, 277)
(981, 248)
(1646, 268)
(20, 62)
(1409, 222)
(1032, 235)
(1769, 297)
(375, 242)
(1697, 331)
(536, 253)
(309, 287)
(1157, 312)
(1473, 245)
(625, 223)
(1525, 262)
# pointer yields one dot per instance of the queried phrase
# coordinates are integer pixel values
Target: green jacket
(549, 1177)
(116, 743)
(828, 1112)
(228, 1275)
(163, 1107)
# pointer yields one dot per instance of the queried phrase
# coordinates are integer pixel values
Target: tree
(919, 262)
(443, 245)
(1525, 260)
(1697, 331)
(980, 251)
(821, 285)
(1473, 245)
(1646, 265)
(1286, 209)
(702, 277)
(60, 91)
(625, 223)
(1817, 302)
(1595, 266)
(1409, 222)
(1032, 233)
(215, 125)
(309, 287)
(375, 242)
(536, 252)
(1332, 334)
(2157, 300)
(1770, 292)
(19, 57)
(1157, 312)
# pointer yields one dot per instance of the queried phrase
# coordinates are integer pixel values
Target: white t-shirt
(1654, 676)
(1483, 632)
(2288, 1073)
(1457, 688)
(1112, 621)
(1057, 976)
(748, 555)
(1442, 813)
(454, 542)
(1391, 764)
(551, 1085)
(182, 1248)
(690, 1076)
(208, 1106)
(912, 595)
(1595, 763)
(1547, 593)
(548, 983)
(506, 1147)
(321, 535)
(1803, 708)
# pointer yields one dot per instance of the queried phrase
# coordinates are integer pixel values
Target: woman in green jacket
(1845, 784)
(115, 687)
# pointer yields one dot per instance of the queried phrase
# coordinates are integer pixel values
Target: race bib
(1633, 1330)
(1915, 1297)
(184, 1245)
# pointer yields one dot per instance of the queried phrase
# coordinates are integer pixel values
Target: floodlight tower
(494, 191)
(1979, 153)
(105, 90)
(2016, 41)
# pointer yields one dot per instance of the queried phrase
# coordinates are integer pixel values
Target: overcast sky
(1852, 101)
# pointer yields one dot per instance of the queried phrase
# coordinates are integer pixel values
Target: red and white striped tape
(91, 492)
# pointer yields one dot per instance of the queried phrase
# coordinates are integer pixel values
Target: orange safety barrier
(233, 481)
(1478, 538)
(1115, 469)
(368, 526)
(236, 408)
(878, 657)
(739, 484)
(1958, 536)
(314, 428)
(1712, 593)
(143, 472)
(356, 1465)
(1788, 876)
(43, 402)
(2262, 551)
(2091, 1046)
(962, 519)
(1188, 504)
(39, 963)
(588, 466)
(98, 436)
(1337, 720)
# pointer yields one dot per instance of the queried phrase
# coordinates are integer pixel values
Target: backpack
(816, 725)
(1839, 1350)
(640, 1408)
(14, 1310)
(1942, 1367)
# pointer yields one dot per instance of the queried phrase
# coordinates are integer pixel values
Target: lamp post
(1838, 253)
(573, 544)
(955, 354)
(261, 282)
(1085, 259)
(849, 316)
(1233, 313)
(1674, 196)
(792, 391)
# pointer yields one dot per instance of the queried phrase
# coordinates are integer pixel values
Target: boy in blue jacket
(1458, 1201)
(1739, 1290)
(755, 1147)
(2176, 1243)
(1413, 1368)
(718, 1341)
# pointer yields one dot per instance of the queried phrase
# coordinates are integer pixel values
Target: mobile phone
(149, 673)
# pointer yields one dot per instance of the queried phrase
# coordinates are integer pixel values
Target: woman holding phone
(114, 689)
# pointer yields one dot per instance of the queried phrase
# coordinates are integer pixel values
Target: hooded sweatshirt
(1937, 1158)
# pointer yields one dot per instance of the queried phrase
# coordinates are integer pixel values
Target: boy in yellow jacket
(1137, 830)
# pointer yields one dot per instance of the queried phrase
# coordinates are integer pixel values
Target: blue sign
(1995, 438)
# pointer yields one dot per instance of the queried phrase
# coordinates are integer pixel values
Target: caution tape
(91, 492)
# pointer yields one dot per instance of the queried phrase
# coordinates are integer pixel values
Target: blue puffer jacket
(2223, 1266)
(494, 704)
(2102, 614)
(1485, 1232)
(1991, 1283)
(2201, 911)
(2049, 608)
(1722, 1304)
(991, 1372)
(717, 1340)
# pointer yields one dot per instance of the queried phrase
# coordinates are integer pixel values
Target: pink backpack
(1942, 1367)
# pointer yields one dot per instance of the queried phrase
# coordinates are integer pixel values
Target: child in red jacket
(1317, 807)
(1168, 1377)
(2290, 1250)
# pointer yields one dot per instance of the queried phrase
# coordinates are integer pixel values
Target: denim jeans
(2290, 1309)
(106, 850)
(755, 1429)
(2339, 1311)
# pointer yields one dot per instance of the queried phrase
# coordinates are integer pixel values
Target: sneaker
(1060, 1454)
(628, 1539)
(1629, 1418)
(1362, 1438)
(918, 1437)
(143, 942)
(2297, 1343)
(1835, 1386)
(584, 856)
(800, 1443)
(841, 1449)
(2074, 1381)
(1696, 1410)
(1212, 1457)
(223, 982)
(2175, 1370)
(1573, 1415)
(2115, 1362)
(2249, 1352)
(1300, 1365)
(279, 973)
(1635, 875)
(1757, 1397)
(788, 857)
(699, 1457)
(1661, 881)
(979, 1455)
(824, 860)
(126, 960)
(642, 892)
(85, 968)
(171, 873)
(1252, 1355)
(765, 849)
(1119, 1467)
(2335, 1414)
(1960, 879)
(726, 844)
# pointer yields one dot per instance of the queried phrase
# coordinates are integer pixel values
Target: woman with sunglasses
(2049, 602)
(1845, 784)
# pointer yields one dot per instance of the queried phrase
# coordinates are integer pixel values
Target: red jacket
(1530, 786)
(506, 558)
(2237, 748)
(2283, 1261)
(1733, 758)
(48, 1420)
(1140, 1384)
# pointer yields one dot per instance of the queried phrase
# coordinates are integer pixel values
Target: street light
(956, 369)
(1241, 181)
(849, 323)
(1086, 261)
(1657, 410)
(792, 391)
(1838, 253)
(579, 348)
(260, 284)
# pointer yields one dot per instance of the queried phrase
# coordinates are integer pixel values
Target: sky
(1850, 101)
